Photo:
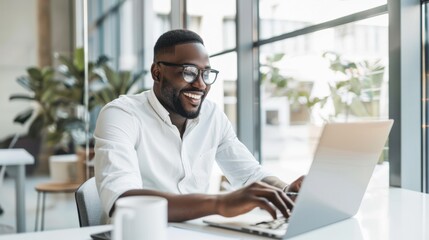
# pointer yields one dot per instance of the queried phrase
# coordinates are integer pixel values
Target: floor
(60, 210)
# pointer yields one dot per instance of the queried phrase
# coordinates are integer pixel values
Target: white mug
(140, 217)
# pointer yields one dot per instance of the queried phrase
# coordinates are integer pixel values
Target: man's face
(175, 94)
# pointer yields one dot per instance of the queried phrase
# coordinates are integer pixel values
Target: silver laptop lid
(339, 175)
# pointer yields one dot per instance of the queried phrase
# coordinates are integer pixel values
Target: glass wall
(215, 22)
(425, 88)
(318, 61)
(121, 39)
(338, 73)
(224, 91)
(283, 16)
(117, 30)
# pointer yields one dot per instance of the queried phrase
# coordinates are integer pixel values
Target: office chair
(88, 204)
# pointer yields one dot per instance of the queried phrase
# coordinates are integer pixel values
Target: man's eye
(190, 72)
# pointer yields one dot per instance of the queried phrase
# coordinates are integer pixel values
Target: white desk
(385, 214)
(17, 159)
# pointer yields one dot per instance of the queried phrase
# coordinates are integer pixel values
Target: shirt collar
(162, 112)
(157, 106)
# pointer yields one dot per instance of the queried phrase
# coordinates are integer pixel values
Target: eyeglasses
(191, 72)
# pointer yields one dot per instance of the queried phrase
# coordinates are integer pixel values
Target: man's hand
(295, 186)
(258, 194)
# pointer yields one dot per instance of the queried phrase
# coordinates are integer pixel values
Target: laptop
(333, 188)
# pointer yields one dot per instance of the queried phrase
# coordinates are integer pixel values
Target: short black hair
(174, 37)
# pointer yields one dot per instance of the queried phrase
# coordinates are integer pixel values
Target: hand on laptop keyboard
(279, 223)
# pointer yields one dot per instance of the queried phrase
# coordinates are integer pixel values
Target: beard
(178, 106)
(173, 103)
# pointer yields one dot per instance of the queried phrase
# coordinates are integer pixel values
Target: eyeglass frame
(200, 71)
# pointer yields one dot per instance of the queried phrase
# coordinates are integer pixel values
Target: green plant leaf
(27, 83)
(71, 69)
(102, 60)
(47, 74)
(277, 57)
(355, 86)
(107, 95)
(21, 97)
(112, 77)
(78, 60)
(48, 96)
(136, 77)
(34, 73)
(53, 138)
(124, 78)
(358, 108)
(23, 117)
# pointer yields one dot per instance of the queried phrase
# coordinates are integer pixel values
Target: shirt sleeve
(235, 160)
(116, 162)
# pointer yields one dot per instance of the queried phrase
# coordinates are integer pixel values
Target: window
(338, 72)
(215, 22)
(282, 16)
(117, 31)
(425, 35)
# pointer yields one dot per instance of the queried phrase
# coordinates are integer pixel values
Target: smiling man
(165, 141)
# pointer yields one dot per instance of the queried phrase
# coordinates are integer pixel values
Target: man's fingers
(265, 204)
(296, 185)
(275, 197)
(289, 202)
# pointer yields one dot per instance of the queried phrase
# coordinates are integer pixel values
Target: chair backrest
(88, 204)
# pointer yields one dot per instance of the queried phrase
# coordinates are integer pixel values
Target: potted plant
(113, 84)
(105, 84)
(356, 92)
(57, 115)
(47, 117)
(298, 92)
(47, 94)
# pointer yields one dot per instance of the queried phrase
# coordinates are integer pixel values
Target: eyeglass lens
(190, 74)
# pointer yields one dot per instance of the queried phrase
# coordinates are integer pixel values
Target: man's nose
(199, 82)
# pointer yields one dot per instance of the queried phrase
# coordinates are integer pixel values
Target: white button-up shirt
(137, 147)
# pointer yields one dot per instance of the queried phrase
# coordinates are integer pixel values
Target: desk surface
(15, 156)
(384, 214)
(392, 213)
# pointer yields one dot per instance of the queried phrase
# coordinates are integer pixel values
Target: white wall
(18, 50)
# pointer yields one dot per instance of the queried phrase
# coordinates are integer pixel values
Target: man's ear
(154, 70)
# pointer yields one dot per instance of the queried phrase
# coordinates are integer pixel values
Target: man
(164, 142)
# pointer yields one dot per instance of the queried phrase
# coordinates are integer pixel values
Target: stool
(52, 187)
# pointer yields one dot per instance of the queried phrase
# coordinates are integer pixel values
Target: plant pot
(64, 168)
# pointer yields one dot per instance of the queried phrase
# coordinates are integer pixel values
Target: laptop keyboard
(276, 224)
